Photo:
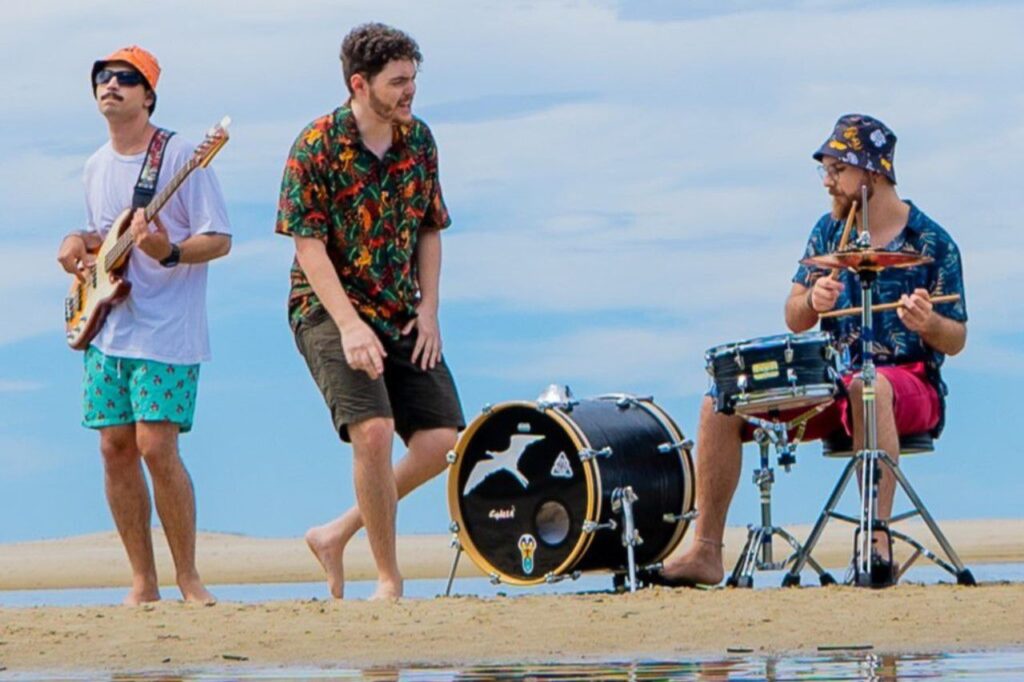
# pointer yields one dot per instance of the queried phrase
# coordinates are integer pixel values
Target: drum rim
(757, 342)
(593, 500)
(806, 391)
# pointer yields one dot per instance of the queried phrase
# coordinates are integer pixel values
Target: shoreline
(656, 624)
(98, 560)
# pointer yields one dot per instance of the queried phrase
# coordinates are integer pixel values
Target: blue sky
(630, 182)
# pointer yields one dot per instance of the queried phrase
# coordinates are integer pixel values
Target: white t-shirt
(164, 316)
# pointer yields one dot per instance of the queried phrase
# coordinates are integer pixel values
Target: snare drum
(532, 486)
(787, 371)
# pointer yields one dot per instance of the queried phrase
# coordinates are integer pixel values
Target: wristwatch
(173, 257)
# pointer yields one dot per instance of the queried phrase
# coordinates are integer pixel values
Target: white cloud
(17, 386)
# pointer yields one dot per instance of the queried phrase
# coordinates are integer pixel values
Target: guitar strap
(145, 186)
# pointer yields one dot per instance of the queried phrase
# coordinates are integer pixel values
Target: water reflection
(841, 666)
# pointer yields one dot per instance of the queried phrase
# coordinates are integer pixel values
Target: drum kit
(540, 491)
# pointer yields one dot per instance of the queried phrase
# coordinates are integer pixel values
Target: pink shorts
(915, 404)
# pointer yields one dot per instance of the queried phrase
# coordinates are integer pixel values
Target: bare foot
(193, 590)
(696, 565)
(387, 589)
(137, 597)
(328, 550)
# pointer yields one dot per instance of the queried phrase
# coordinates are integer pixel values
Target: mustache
(112, 95)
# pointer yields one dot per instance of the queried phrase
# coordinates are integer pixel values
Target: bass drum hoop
(685, 462)
(593, 483)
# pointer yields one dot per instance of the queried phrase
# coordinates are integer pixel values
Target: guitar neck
(125, 242)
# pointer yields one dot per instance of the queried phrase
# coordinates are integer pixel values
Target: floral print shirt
(368, 211)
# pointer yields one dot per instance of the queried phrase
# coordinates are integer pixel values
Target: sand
(652, 624)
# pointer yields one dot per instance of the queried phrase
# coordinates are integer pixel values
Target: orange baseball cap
(143, 61)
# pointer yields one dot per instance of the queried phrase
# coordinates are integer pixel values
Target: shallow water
(427, 589)
(997, 665)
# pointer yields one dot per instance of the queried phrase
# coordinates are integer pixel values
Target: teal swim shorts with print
(119, 391)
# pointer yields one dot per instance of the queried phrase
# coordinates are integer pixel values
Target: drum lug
(451, 457)
(591, 527)
(788, 353)
(590, 453)
(666, 448)
(624, 400)
(676, 518)
(742, 382)
(486, 409)
(552, 578)
(791, 376)
(454, 527)
(738, 359)
(494, 578)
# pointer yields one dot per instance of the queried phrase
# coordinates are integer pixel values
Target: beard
(841, 202)
(390, 112)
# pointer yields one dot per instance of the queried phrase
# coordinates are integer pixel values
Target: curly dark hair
(368, 48)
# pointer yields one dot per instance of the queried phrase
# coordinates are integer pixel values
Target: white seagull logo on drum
(506, 460)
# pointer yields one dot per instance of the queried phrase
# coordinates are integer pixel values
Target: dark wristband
(173, 258)
(810, 295)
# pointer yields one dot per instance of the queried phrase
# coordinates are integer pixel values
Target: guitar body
(88, 303)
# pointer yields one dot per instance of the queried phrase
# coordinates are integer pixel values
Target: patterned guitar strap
(145, 186)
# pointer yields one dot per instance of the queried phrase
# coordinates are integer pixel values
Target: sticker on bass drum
(527, 546)
(561, 468)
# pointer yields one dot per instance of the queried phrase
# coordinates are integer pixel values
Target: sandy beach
(654, 623)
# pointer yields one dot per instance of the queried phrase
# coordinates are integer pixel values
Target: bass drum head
(520, 493)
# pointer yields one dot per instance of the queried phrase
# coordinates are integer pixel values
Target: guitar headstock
(216, 137)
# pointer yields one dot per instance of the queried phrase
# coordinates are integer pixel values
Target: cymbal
(868, 259)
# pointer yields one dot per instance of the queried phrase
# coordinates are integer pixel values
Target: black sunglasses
(125, 78)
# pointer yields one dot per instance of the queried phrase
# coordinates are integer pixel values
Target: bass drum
(531, 486)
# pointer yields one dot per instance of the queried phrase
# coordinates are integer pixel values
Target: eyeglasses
(832, 171)
(125, 78)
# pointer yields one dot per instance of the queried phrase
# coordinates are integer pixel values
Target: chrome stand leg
(455, 565)
(962, 574)
(793, 577)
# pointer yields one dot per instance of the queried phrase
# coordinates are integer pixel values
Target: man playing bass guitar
(142, 367)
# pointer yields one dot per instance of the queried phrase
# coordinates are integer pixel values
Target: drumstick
(949, 298)
(846, 236)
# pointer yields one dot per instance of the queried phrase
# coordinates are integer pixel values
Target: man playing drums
(910, 344)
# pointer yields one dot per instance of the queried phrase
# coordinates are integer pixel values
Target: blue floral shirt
(894, 343)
